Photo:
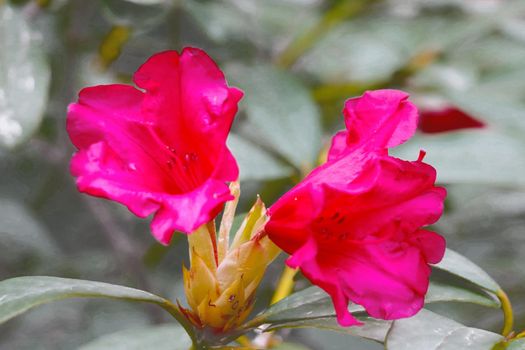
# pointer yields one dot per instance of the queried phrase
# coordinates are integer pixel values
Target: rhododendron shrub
(353, 225)
(357, 226)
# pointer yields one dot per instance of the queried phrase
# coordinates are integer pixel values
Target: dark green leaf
(372, 329)
(327, 340)
(439, 292)
(312, 307)
(431, 331)
(17, 295)
(460, 266)
(310, 303)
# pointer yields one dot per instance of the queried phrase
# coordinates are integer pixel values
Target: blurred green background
(297, 61)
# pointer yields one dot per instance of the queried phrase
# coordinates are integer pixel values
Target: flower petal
(431, 244)
(189, 211)
(191, 87)
(376, 121)
(389, 279)
(101, 173)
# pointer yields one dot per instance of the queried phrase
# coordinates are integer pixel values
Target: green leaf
(264, 23)
(518, 344)
(439, 292)
(18, 295)
(281, 112)
(312, 307)
(254, 162)
(430, 331)
(372, 329)
(486, 53)
(352, 53)
(460, 266)
(310, 303)
(162, 337)
(24, 79)
(480, 159)
(370, 49)
(328, 340)
(142, 14)
(290, 346)
(220, 21)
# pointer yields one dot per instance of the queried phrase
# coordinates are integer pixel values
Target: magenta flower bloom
(159, 148)
(354, 225)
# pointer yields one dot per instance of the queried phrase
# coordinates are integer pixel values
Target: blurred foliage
(297, 61)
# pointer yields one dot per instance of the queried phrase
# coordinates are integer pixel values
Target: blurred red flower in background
(445, 119)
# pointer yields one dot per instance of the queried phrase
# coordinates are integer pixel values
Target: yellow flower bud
(221, 282)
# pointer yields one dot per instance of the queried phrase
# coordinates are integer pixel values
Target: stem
(112, 45)
(335, 15)
(183, 321)
(43, 3)
(285, 285)
(508, 316)
(520, 335)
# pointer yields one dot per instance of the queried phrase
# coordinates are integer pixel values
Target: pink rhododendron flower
(445, 119)
(354, 225)
(159, 148)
